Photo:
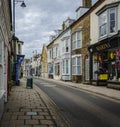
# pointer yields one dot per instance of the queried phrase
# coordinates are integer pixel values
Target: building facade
(80, 39)
(5, 50)
(105, 48)
(56, 58)
(50, 59)
(44, 62)
(65, 50)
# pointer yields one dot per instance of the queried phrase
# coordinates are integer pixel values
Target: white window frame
(103, 24)
(115, 20)
(65, 67)
(76, 40)
(107, 12)
(66, 46)
(75, 64)
(55, 50)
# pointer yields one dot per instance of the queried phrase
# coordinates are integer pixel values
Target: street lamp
(14, 38)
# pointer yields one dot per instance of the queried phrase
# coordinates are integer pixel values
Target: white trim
(76, 55)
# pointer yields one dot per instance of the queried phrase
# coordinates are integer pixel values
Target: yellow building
(44, 64)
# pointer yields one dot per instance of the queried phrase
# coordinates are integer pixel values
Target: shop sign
(103, 46)
(103, 76)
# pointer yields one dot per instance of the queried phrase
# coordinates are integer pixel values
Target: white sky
(36, 22)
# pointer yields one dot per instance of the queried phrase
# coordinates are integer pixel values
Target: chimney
(87, 3)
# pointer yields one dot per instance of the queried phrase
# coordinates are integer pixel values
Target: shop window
(114, 65)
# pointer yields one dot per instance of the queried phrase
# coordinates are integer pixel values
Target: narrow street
(80, 108)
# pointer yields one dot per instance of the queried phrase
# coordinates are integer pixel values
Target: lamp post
(14, 38)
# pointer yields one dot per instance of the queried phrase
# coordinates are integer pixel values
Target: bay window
(108, 22)
(65, 66)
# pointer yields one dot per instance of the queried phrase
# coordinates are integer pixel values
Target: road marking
(47, 85)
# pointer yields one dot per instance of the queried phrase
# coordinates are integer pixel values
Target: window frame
(65, 67)
(76, 39)
(75, 65)
(107, 11)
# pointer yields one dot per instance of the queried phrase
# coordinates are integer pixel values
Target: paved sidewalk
(28, 108)
(100, 90)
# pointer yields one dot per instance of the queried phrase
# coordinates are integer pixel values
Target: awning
(20, 58)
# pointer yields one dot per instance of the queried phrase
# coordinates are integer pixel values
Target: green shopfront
(105, 61)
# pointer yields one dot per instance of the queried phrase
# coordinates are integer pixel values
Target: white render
(66, 35)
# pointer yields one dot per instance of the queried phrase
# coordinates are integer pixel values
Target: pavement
(29, 107)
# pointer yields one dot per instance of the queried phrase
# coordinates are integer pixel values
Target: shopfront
(105, 61)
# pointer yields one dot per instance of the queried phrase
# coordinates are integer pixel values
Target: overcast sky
(36, 22)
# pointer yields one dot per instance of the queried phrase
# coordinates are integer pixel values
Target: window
(112, 19)
(103, 23)
(108, 22)
(77, 40)
(65, 46)
(77, 65)
(55, 49)
(65, 66)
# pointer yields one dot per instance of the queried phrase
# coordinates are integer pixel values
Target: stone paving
(27, 108)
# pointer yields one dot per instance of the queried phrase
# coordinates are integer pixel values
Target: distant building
(50, 59)
(44, 62)
(26, 67)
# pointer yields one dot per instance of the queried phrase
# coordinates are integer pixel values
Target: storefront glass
(107, 62)
(114, 65)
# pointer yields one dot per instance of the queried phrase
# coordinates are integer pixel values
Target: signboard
(103, 76)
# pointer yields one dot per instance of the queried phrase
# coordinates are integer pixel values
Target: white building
(65, 50)
(5, 38)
